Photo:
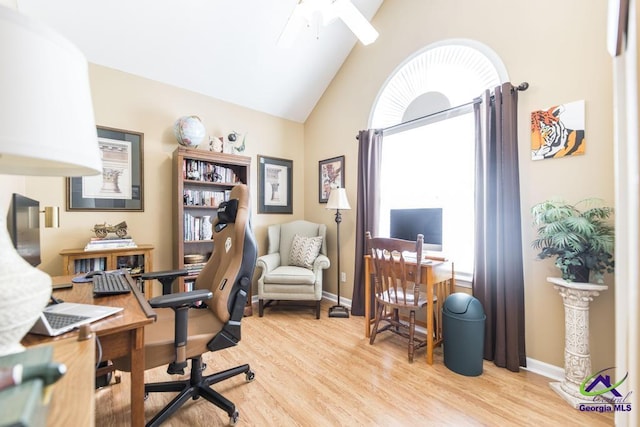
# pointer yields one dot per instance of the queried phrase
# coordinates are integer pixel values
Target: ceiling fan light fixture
(306, 11)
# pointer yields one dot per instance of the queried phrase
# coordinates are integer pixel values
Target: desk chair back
(230, 268)
(397, 276)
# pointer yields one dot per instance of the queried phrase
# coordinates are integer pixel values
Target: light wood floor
(324, 373)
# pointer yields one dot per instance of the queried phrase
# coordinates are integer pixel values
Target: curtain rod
(521, 87)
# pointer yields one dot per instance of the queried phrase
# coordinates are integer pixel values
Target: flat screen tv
(408, 223)
(23, 224)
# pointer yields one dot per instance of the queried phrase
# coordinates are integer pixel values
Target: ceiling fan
(310, 12)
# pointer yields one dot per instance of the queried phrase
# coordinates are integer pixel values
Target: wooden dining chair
(396, 272)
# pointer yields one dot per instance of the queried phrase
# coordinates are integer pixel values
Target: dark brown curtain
(367, 206)
(498, 274)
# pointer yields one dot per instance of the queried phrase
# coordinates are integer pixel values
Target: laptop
(57, 319)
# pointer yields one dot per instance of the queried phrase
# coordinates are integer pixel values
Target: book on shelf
(195, 268)
(90, 264)
(205, 198)
(101, 244)
(110, 239)
(198, 170)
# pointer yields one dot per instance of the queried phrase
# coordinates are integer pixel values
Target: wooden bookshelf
(137, 260)
(201, 180)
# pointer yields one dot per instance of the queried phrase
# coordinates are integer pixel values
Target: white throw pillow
(304, 250)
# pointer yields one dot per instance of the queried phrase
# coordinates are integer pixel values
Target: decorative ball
(189, 131)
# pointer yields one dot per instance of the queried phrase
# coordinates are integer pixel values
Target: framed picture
(330, 175)
(275, 185)
(120, 186)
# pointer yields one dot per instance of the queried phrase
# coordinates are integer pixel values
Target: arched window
(428, 148)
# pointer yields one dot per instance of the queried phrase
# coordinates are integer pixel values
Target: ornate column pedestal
(577, 359)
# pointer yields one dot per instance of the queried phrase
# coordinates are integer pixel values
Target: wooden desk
(438, 278)
(72, 401)
(120, 335)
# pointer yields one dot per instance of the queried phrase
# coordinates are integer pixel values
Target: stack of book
(195, 268)
(97, 244)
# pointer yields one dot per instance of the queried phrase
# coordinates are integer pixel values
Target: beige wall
(128, 102)
(561, 54)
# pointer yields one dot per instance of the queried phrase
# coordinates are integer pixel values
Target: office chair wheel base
(250, 375)
(233, 419)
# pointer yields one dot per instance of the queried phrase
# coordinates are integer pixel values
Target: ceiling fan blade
(292, 28)
(356, 22)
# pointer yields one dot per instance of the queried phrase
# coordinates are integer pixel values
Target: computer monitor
(23, 224)
(408, 223)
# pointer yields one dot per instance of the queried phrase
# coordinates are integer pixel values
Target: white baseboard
(545, 369)
(325, 295)
(332, 297)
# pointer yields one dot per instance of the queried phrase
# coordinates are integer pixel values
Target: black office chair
(183, 332)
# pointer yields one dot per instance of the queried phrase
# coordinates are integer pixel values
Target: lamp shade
(338, 199)
(47, 126)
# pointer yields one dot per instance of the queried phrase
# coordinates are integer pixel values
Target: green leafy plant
(576, 237)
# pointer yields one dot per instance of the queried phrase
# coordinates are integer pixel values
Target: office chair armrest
(180, 299)
(268, 262)
(166, 278)
(172, 274)
(321, 262)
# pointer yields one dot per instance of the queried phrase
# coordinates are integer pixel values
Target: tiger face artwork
(550, 136)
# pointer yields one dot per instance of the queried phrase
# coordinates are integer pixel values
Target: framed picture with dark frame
(275, 185)
(120, 186)
(330, 175)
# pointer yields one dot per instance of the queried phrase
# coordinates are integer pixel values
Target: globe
(189, 131)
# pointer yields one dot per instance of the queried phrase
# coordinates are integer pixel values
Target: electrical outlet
(343, 277)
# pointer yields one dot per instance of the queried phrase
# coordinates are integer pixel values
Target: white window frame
(430, 70)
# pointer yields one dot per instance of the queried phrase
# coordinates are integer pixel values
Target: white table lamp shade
(47, 128)
(338, 199)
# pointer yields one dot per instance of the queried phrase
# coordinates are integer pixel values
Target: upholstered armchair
(292, 267)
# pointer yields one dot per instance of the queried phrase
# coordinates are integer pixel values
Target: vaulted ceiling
(225, 49)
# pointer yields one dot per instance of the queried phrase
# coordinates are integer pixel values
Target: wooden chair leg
(260, 308)
(317, 309)
(379, 311)
(412, 329)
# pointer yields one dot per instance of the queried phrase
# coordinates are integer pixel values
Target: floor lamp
(338, 200)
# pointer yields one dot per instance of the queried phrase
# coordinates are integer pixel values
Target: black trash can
(463, 332)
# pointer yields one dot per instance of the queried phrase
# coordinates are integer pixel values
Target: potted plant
(582, 240)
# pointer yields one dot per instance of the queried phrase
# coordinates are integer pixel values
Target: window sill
(463, 280)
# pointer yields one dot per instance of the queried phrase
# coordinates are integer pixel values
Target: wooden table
(120, 335)
(438, 279)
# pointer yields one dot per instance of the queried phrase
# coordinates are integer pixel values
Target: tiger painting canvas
(558, 131)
